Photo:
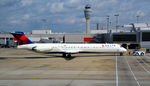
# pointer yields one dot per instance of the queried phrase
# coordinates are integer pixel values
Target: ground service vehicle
(139, 53)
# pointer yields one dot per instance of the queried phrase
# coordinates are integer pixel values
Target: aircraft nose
(123, 50)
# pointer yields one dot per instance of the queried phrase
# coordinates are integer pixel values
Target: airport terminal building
(141, 37)
(138, 33)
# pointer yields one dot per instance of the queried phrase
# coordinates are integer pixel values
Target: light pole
(97, 26)
(107, 23)
(137, 18)
(44, 22)
(117, 20)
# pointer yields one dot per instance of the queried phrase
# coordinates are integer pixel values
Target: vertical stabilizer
(21, 38)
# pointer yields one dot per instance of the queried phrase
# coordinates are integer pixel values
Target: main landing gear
(64, 55)
(67, 56)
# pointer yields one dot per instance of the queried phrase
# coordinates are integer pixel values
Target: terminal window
(146, 36)
(124, 38)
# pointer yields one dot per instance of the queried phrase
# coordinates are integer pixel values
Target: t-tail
(21, 38)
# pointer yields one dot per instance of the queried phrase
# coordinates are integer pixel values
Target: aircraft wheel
(142, 54)
(121, 54)
(69, 55)
(137, 54)
(64, 54)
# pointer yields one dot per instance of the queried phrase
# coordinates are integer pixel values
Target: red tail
(21, 38)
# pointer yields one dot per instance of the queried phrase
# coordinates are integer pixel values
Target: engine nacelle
(41, 49)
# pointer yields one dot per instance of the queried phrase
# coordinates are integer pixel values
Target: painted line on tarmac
(132, 72)
(116, 71)
(142, 66)
(24, 56)
(145, 62)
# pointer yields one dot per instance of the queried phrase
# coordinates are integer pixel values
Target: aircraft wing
(71, 51)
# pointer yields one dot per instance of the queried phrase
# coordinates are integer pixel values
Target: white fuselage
(73, 48)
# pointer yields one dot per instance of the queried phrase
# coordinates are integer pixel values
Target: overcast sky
(67, 15)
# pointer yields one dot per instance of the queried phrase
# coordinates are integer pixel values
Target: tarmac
(27, 68)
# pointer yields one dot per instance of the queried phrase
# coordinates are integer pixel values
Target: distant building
(98, 31)
(41, 31)
(97, 36)
(137, 26)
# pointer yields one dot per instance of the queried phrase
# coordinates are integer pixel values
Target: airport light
(44, 22)
(108, 22)
(97, 26)
(137, 20)
(117, 21)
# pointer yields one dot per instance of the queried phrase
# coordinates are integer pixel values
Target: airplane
(65, 49)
